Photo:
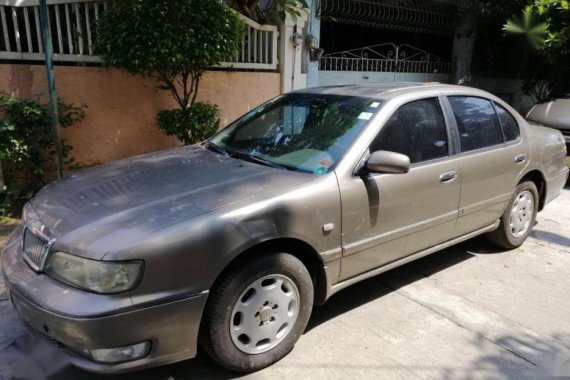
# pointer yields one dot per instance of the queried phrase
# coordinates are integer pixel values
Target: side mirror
(383, 161)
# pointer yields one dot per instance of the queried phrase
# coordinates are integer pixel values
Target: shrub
(26, 144)
(190, 125)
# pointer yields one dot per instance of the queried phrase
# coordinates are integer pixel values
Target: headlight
(96, 276)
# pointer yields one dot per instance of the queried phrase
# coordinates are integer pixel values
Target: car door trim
(501, 199)
(332, 255)
(384, 268)
(373, 241)
(451, 125)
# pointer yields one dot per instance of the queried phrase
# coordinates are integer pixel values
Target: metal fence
(387, 57)
(73, 21)
(436, 17)
(258, 48)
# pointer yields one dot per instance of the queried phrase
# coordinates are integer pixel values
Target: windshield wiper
(244, 156)
(214, 148)
(258, 160)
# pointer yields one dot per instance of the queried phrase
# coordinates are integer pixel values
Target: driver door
(386, 217)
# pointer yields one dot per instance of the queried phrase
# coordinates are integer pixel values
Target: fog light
(121, 354)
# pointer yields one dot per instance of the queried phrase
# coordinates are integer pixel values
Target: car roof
(385, 90)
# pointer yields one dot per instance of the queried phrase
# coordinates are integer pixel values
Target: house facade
(403, 40)
(370, 41)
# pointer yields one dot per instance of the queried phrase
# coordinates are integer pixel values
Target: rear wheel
(518, 219)
(258, 312)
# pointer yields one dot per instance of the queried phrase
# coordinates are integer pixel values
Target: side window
(509, 123)
(417, 130)
(477, 122)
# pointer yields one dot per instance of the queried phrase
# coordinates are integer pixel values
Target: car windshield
(301, 132)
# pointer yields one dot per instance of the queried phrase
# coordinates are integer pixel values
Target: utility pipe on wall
(53, 111)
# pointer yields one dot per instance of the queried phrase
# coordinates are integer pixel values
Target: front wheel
(518, 219)
(258, 312)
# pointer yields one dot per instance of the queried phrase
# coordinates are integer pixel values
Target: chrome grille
(35, 249)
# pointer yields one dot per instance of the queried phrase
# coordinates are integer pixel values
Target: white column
(290, 57)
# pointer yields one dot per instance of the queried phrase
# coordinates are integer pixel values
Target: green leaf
(27, 143)
(529, 25)
(167, 39)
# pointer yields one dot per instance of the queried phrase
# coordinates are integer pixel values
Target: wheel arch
(293, 246)
(537, 178)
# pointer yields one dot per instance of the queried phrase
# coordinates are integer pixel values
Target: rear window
(478, 124)
(508, 122)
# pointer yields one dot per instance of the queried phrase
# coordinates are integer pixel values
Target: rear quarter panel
(547, 156)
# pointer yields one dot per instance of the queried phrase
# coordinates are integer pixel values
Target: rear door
(389, 216)
(492, 156)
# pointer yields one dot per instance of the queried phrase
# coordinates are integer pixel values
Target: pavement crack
(511, 351)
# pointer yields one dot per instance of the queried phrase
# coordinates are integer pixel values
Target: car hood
(97, 210)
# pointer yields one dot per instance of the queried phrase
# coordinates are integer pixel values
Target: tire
(513, 236)
(257, 313)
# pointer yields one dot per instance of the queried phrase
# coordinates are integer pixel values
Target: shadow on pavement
(543, 358)
(376, 287)
(551, 237)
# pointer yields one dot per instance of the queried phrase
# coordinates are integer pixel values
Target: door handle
(448, 177)
(520, 159)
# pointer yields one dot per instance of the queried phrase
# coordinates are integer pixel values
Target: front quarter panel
(187, 258)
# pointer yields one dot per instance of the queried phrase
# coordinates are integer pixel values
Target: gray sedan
(230, 243)
(553, 114)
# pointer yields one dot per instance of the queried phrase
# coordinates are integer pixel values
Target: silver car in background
(553, 114)
(229, 244)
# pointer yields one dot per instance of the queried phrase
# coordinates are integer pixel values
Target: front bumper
(171, 327)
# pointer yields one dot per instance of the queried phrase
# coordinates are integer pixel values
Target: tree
(530, 26)
(173, 41)
(264, 14)
(557, 15)
(545, 24)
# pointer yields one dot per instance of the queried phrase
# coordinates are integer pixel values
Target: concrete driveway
(468, 312)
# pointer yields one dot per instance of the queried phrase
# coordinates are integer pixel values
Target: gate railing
(258, 47)
(387, 57)
(73, 24)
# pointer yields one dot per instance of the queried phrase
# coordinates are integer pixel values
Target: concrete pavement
(469, 312)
